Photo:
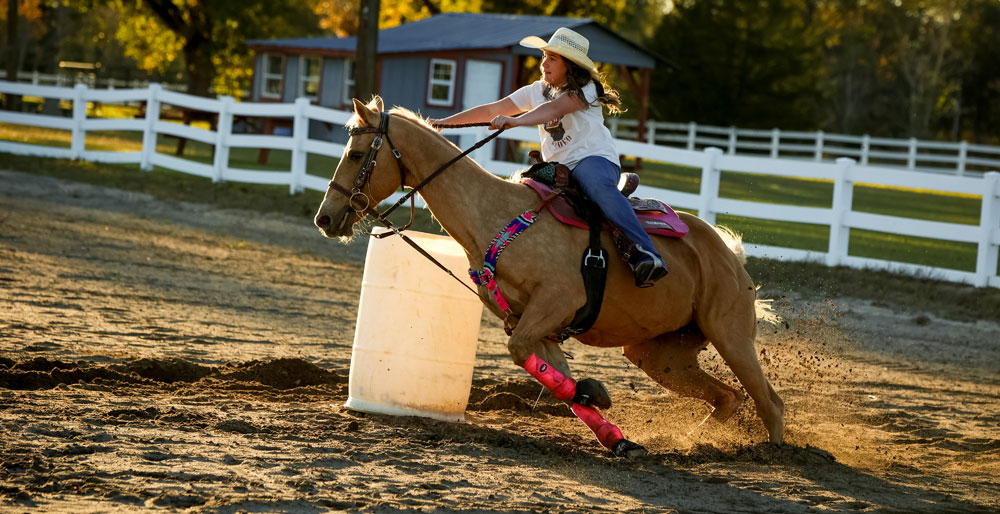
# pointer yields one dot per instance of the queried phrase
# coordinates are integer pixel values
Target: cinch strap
(487, 277)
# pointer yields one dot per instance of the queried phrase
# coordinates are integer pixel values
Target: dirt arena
(167, 356)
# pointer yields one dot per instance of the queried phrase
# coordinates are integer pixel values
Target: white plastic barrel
(415, 341)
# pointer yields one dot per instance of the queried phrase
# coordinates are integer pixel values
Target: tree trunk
(366, 55)
(199, 66)
(13, 101)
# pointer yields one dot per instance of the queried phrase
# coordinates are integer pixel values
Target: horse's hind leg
(732, 332)
(672, 361)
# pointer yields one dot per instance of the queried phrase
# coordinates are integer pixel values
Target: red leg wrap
(562, 387)
(607, 433)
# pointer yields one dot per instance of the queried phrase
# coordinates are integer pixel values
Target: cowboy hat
(568, 44)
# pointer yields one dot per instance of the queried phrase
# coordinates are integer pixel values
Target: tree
(210, 36)
(740, 62)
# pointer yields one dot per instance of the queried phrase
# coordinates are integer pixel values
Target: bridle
(362, 201)
(361, 181)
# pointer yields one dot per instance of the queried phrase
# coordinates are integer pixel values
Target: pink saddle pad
(655, 216)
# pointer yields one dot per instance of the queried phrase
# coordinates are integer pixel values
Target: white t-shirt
(575, 136)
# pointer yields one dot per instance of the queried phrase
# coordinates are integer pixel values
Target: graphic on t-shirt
(558, 132)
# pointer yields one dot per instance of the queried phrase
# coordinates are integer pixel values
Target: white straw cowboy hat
(568, 44)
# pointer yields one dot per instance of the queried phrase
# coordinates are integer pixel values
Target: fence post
(149, 132)
(819, 145)
(300, 132)
(692, 133)
(613, 126)
(989, 223)
(732, 141)
(843, 198)
(710, 175)
(650, 132)
(222, 132)
(775, 140)
(77, 146)
(866, 148)
(963, 154)
(911, 159)
(485, 153)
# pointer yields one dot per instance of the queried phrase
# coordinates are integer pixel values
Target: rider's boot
(647, 266)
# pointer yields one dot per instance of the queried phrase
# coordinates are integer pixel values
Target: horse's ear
(377, 104)
(366, 116)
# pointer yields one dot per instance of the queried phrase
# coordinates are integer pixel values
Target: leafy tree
(740, 62)
(210, 36)
(978, 96)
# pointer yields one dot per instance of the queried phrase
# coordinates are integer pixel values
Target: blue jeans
(598, 178)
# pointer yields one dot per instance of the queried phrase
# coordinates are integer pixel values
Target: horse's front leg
(543, 359)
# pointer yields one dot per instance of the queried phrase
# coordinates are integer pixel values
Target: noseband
(358, 199)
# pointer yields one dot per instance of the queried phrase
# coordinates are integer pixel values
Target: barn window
(309, 77)
(441, 88)
(274, 67)
(348, 81)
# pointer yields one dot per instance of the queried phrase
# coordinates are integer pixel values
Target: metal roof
(450, 31)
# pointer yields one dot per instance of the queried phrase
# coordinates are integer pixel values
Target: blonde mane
(375, 105)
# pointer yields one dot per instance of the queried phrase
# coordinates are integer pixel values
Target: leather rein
(362, 201)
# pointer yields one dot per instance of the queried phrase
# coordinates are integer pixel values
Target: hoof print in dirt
(628, 450)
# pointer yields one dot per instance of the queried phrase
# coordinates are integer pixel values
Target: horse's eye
(354, 156)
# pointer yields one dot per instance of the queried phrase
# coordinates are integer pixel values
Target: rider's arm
(545, 112)
(481, 114)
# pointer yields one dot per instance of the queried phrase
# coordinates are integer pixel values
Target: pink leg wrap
(607, 433)
(562, 387)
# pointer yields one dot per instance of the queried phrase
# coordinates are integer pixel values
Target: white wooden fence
(712, 161)
(959, 158)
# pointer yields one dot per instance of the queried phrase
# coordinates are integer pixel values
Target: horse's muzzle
(338, 225)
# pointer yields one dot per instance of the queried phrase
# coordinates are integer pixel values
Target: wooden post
(13, 101)
(989, 225)
(149, 131)
(775, 142)
(366, 54)
(819, 145)
(710, 175)
(77, 144)
(223, 130)
(300, 132)
(843, 198)
(866, 148)
(963, 154)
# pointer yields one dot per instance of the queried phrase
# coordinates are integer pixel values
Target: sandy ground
(169, 356)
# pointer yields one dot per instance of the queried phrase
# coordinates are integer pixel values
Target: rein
(368, 166)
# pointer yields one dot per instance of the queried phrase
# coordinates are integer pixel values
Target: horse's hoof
(628, 450)
(591, 393)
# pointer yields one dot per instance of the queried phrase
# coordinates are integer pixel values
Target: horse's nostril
(323, 221)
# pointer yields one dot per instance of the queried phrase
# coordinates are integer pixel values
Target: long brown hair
(576, 78)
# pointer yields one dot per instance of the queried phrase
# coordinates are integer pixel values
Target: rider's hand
(502, 121)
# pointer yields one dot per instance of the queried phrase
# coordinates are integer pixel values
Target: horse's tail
(763, 307)
(734, 241)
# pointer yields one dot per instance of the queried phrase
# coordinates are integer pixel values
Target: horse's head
(356, 187)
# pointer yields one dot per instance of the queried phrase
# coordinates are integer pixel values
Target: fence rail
(839, 217)
(960, 158)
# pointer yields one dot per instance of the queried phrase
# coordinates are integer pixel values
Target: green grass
(905, 203)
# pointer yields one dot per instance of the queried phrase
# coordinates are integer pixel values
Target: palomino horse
(707, 296)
